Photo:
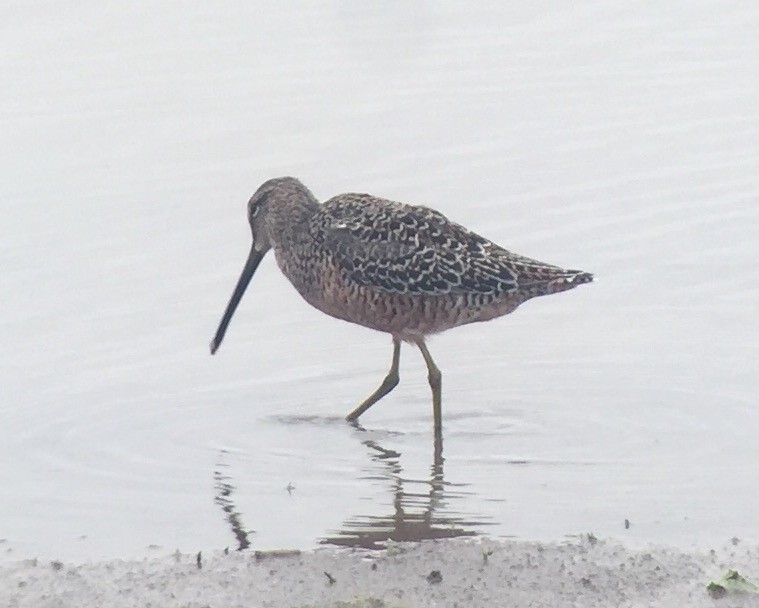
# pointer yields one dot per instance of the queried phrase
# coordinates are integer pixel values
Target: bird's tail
(556, 281)
(579, 277)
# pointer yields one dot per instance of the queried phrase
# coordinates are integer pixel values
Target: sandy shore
(437, 573)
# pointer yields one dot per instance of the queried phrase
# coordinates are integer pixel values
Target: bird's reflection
(223, 497)
(416, 516)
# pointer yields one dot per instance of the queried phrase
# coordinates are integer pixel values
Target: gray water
(616, 138)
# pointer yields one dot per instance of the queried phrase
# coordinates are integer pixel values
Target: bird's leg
(388, 384)
(435, 378)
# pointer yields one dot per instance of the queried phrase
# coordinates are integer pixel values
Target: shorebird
(401, 269)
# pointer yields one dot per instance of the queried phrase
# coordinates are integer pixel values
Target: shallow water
(616, 139)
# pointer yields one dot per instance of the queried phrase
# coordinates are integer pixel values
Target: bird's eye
(255, 210)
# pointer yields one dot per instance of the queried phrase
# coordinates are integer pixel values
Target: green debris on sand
(731, 582)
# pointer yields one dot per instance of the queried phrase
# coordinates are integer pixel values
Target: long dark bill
(254, 259)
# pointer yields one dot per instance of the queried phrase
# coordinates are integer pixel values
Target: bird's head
(274, 212)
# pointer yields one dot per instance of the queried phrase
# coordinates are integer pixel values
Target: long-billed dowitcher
(401, 269)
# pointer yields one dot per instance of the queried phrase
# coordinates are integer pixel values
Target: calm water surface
(617, 139)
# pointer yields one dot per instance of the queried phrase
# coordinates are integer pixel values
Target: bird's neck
(289, 222)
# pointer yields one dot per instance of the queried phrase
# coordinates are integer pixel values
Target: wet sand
(582, 572)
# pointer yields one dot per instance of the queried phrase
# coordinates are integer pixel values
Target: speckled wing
(407, 249)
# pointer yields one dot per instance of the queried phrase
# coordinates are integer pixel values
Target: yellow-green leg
(388, 384)
(435, 378)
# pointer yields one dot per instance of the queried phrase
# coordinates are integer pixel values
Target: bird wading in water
(402, 269)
